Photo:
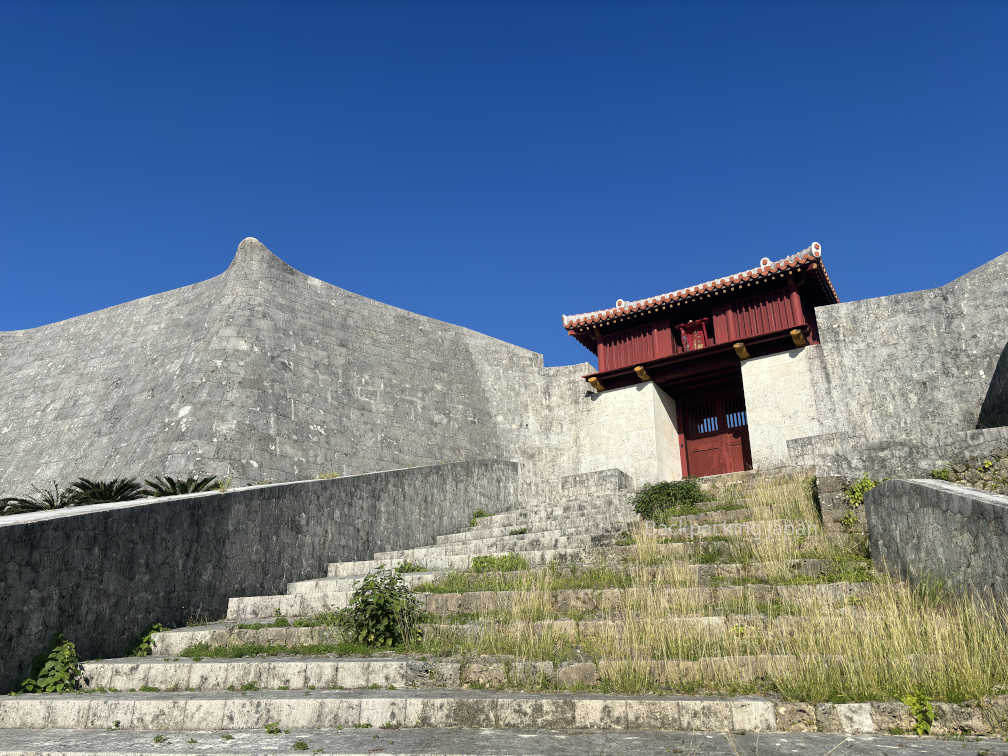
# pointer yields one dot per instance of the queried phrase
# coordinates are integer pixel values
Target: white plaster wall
(780, 403)
(633, 429)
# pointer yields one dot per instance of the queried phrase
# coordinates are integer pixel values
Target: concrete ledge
(929, 529)
(102, 575)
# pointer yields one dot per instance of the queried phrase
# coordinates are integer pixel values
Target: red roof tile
(766, 269)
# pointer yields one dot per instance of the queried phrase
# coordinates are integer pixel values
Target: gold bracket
(798, 337)
(596, 384)
(740, 350)
(642, 373)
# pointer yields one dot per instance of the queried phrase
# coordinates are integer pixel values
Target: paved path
(458, 742)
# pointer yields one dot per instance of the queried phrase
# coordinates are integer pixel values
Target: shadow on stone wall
(994, 410)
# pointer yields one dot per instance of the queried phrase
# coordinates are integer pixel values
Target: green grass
(503, 563)
(408, 566)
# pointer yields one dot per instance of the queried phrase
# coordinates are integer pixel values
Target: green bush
(168, 486)
(59, 671)
(661, 501)
(943, 475)
(856, 491)
(408, 566)
(383, 611)
(85, 491)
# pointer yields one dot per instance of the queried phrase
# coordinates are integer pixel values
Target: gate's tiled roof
(812, 253)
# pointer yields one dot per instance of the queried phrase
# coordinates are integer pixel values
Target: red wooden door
(716, 432)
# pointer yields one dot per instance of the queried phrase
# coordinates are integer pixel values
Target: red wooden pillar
(797, 314)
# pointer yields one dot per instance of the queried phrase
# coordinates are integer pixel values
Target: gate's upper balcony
(759, 311)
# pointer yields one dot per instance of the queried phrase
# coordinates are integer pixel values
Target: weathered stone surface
(265, 373)
(923, 529)
(900, 380)
(110, 571)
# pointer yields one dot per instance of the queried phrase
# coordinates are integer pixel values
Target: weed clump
(383, 611)
(661, 501)
(503, 563)
(59, 671)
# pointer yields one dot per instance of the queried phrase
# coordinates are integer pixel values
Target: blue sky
(496, 165)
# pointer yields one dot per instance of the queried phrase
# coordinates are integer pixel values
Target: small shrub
(856, 491)
(59, 671)
(85, 491)
(502, 563)
(382, 611)
(923, 712)
(329, 476)
(300, 745)
(160, 739)
(273, 728)
(168, 486)
(518, 531)
(409, 566)
(660, 501)
(476, 517)
(145, 646)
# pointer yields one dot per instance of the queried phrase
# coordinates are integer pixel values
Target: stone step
(561, 601)
(701, 572)
(414, 741)
(161, 674)
(575, 509)
(225, 710)
(227, 633)
(565, 601)
(437, 562)
(548, 540)
(573, 526)
(269, 673)
(325, 584)
(535, 557)
(708, 624)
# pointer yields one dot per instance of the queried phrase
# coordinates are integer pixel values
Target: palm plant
(168, 486)
(85, 491)
(44, 498)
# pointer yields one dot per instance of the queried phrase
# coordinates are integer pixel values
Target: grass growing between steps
(899, 641)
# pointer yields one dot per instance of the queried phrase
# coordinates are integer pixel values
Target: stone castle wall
(265, 373)
(903, 382)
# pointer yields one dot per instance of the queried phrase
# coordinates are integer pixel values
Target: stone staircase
(575, 531)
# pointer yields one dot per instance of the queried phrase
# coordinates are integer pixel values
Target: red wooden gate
(716, 433)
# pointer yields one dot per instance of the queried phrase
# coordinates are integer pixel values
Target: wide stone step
(227, 633)
(344, 584)
(153, 674)
(595, 526)
(549, 540)
(307, 604)
(492, 742)
(269, 673)
(224, 710)
(575, 509)
(535, 557)
(614, 599)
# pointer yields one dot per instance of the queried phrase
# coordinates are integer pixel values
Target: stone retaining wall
(930, 529)
(103, 574)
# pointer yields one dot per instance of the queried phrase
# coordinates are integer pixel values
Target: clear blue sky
(496, 165)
